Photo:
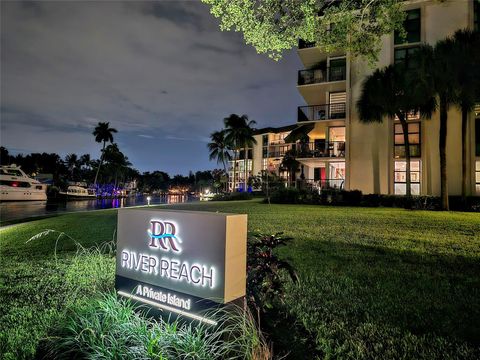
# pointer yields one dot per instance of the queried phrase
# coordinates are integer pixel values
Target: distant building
(339, 151)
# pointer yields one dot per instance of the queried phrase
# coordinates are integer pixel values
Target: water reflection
(25, 209)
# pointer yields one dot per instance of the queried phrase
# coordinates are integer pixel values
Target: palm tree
(467, 73)
(438, 62)
(396, 91)
(239, 135)
(117, 162)
(72, 162)
(103, 133)
(219, 149)
(290, 163)
(85, 161)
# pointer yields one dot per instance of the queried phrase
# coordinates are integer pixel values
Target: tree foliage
(273, 26)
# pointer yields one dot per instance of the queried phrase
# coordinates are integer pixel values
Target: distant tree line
(113, 168)
(82, 168)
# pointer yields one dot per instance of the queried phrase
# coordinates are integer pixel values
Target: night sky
(162, 73)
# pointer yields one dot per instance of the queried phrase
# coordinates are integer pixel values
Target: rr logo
(163, 235)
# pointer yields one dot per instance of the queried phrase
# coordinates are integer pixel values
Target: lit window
(477, 177)
(413, 138)
(400, 178)
(477, 137)
(264, 164)
(336, 174)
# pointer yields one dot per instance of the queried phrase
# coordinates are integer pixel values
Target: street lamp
(148, 200)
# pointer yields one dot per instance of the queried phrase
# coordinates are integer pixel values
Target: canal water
(17, 210)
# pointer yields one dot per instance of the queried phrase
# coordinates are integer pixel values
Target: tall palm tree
(239, 135)
(290, 163)
(219, 149)
(103, 133)
(396, 91)
(117, 162)
(467, 73)
(438, 63)
(72, 162)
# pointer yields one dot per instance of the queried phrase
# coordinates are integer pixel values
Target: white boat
(15, 185)
(78, 192)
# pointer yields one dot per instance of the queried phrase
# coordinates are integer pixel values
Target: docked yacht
(75, 192)
(15, 185)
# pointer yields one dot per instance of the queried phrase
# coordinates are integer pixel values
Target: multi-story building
(335, 149)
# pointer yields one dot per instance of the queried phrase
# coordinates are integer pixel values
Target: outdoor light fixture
(148, 200)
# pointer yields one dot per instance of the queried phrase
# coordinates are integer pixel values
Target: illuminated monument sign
(181, 262)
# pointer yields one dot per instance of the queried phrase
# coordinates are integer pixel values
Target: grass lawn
(374, 282)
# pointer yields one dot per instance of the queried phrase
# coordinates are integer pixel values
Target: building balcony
(320, 149)
(302, 44)
(318, 76)
(322, 112)
(315, 84)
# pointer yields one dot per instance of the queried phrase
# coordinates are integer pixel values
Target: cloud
(146, 136)
(161, 69)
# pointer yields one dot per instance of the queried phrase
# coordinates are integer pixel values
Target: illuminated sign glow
(163, 236)
(181, 262)
(173, 269)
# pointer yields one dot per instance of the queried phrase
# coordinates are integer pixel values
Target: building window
(477, 177)
(412, 25)
(265, 152)
(278, 138)
(400, 186)
(264, 164)
(477, 136)
(414, 137)
(336, 174)
(406, 56)
(265, 140)
(337, 70)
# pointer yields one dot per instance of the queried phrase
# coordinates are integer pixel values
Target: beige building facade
(338, 151)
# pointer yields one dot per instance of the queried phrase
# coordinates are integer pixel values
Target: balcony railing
(276, 154)
(314, 76)
(321, 112)
(320, 184)
(316, 149)
(302, 44)
(320, 149)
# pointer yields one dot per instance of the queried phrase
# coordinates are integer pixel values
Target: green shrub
(356, 198)
(232, 196)
(114, 328)
(265, 270)
(286, 196)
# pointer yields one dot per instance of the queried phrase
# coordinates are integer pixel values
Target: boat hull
(21, 194)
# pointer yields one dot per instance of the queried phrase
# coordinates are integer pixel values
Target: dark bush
(352, 197)
(233, 196)
(356, 198)
(264, 270)
(371, 200)
(286, 196)
(471, 203)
